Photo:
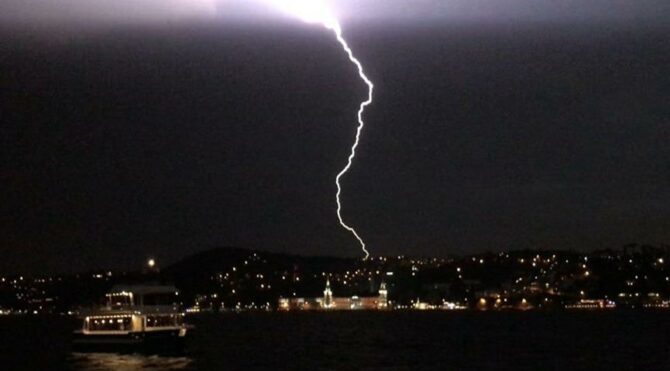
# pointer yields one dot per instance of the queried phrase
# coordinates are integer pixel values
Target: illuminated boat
(134, 318)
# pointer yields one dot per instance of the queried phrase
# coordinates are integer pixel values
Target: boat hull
(153, 341)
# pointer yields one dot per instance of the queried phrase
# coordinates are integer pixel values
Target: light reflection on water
(115, 361)
(390, 341)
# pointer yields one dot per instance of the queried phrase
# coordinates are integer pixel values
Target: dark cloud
(136, 141)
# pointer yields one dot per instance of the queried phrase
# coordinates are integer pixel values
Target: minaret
(327, 296)
(383, 296)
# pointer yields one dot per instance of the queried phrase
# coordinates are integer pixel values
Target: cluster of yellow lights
(108, 317)
(122, 293)
(592, 304)
(120, 320)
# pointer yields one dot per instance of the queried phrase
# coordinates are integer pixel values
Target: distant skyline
(165, 138)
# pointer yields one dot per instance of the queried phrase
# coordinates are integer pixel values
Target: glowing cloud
(112, 11)
(316, 11)
(310, 11)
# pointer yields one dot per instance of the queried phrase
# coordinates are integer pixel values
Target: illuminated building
(592, 304)
(327, 296)
(329, 302)
(383, 296)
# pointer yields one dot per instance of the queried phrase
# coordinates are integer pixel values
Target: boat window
(160, 299)
(109, 323)
(117, 301)
(164, 320)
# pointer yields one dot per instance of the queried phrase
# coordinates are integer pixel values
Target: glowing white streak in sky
(315, 11)
(361, 124)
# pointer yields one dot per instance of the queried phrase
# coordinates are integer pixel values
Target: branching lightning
(314, 11)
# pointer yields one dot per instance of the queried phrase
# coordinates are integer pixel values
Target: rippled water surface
(369, 341)
(112, 361)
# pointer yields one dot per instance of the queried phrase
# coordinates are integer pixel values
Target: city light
(372, 285)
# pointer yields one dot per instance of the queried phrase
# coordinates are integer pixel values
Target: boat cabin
(136, 310)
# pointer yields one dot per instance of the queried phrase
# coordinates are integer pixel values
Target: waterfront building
(330, 302)
(592, 304)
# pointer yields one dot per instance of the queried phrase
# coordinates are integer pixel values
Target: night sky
(164, 137)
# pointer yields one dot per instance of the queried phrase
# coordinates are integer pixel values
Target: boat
(134, 318)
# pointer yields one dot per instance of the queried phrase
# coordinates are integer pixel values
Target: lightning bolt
(361, 124)
(316, 11)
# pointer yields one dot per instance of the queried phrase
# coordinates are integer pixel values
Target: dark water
(370, 341)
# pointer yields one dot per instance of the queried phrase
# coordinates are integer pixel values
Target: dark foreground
(617, 340)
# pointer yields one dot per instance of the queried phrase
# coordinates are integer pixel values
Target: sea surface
(617, 340)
